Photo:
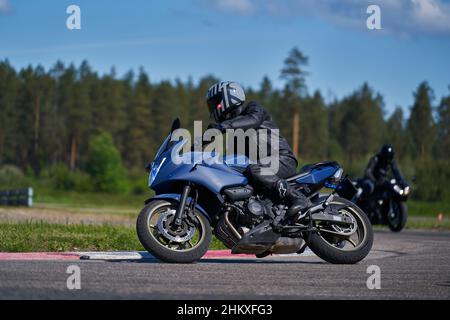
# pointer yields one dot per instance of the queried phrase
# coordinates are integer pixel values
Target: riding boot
(296, 201)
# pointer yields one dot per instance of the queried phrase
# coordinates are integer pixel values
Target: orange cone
(440, 216)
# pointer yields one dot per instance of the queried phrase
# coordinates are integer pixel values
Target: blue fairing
(193, 168)
(318, 175)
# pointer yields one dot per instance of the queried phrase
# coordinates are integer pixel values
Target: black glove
(217, 126)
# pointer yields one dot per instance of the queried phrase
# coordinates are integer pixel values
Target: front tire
(331, 249)
(398, 221)
(148, 227)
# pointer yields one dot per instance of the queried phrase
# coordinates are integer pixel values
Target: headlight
(338, 174)
(398, 190)
(407, 190)
(154, 171)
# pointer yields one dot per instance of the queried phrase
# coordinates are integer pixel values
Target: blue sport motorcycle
(194, 199)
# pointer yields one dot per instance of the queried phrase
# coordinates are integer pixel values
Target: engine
(243, 212)
(249, 210)
(245, 218)
(252, 213)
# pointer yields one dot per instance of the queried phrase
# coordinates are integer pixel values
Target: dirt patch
(62, 216)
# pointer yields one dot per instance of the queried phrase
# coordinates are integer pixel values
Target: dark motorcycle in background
(386, 205)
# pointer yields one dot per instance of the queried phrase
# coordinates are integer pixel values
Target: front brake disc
(184, 233)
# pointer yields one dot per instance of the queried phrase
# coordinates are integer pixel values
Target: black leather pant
(267, 183)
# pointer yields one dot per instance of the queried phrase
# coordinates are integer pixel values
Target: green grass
(428, 223)
(46, 237)
(428, 209)
(42, 236)
(422, 223)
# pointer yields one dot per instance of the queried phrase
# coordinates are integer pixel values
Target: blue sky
(242, 40)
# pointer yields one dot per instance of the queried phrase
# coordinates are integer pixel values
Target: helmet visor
(214, 103)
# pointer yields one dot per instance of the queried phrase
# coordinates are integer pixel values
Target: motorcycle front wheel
(398, 216)
(184, 244)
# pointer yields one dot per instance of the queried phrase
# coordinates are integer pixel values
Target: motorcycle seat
(306, 169)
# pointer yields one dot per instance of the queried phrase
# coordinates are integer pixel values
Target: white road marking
(144, 255)
(116, 255)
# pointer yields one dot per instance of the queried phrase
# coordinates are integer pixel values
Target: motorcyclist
(226, 104)
(377, 171)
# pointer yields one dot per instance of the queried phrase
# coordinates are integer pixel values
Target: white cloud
(4, 6)
(244, 7)
(431, 14)
(403, 17)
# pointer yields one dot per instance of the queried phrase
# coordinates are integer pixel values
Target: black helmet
(387, 152)
(225, 98)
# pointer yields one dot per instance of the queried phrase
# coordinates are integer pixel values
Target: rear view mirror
(176, 124)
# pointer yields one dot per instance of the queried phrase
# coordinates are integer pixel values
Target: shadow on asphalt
(252, 261)
(224, 261)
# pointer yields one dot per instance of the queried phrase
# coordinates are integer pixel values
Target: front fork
(180, 214)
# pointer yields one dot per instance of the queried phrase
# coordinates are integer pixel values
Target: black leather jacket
(254, 116)
(378, 170)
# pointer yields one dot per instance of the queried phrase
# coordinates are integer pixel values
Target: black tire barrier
(17, 197)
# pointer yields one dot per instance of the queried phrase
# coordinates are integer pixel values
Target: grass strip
(48, 237)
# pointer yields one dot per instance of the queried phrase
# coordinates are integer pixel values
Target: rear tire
(400, 220)
(337, 255)
(164, 253)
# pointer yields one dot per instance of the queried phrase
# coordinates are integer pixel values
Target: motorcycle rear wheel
(329, 247)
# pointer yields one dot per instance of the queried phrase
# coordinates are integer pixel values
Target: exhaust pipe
(230, 225)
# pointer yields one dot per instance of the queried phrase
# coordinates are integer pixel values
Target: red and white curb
(127, 255)
(39, 256)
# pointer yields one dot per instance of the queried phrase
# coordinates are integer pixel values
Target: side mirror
(176, 124)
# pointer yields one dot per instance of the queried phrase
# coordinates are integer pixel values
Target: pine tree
(141, 141)
(395, 134)
(443, 125)
(30, 103)
(9, 90)
(295, 89)
(314, 135)
(421, 125)
(360, 125)
(80, 114)
(164, 109)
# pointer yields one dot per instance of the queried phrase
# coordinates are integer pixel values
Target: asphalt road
(413, 264)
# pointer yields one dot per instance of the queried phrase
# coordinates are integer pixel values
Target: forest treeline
(48, 118)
